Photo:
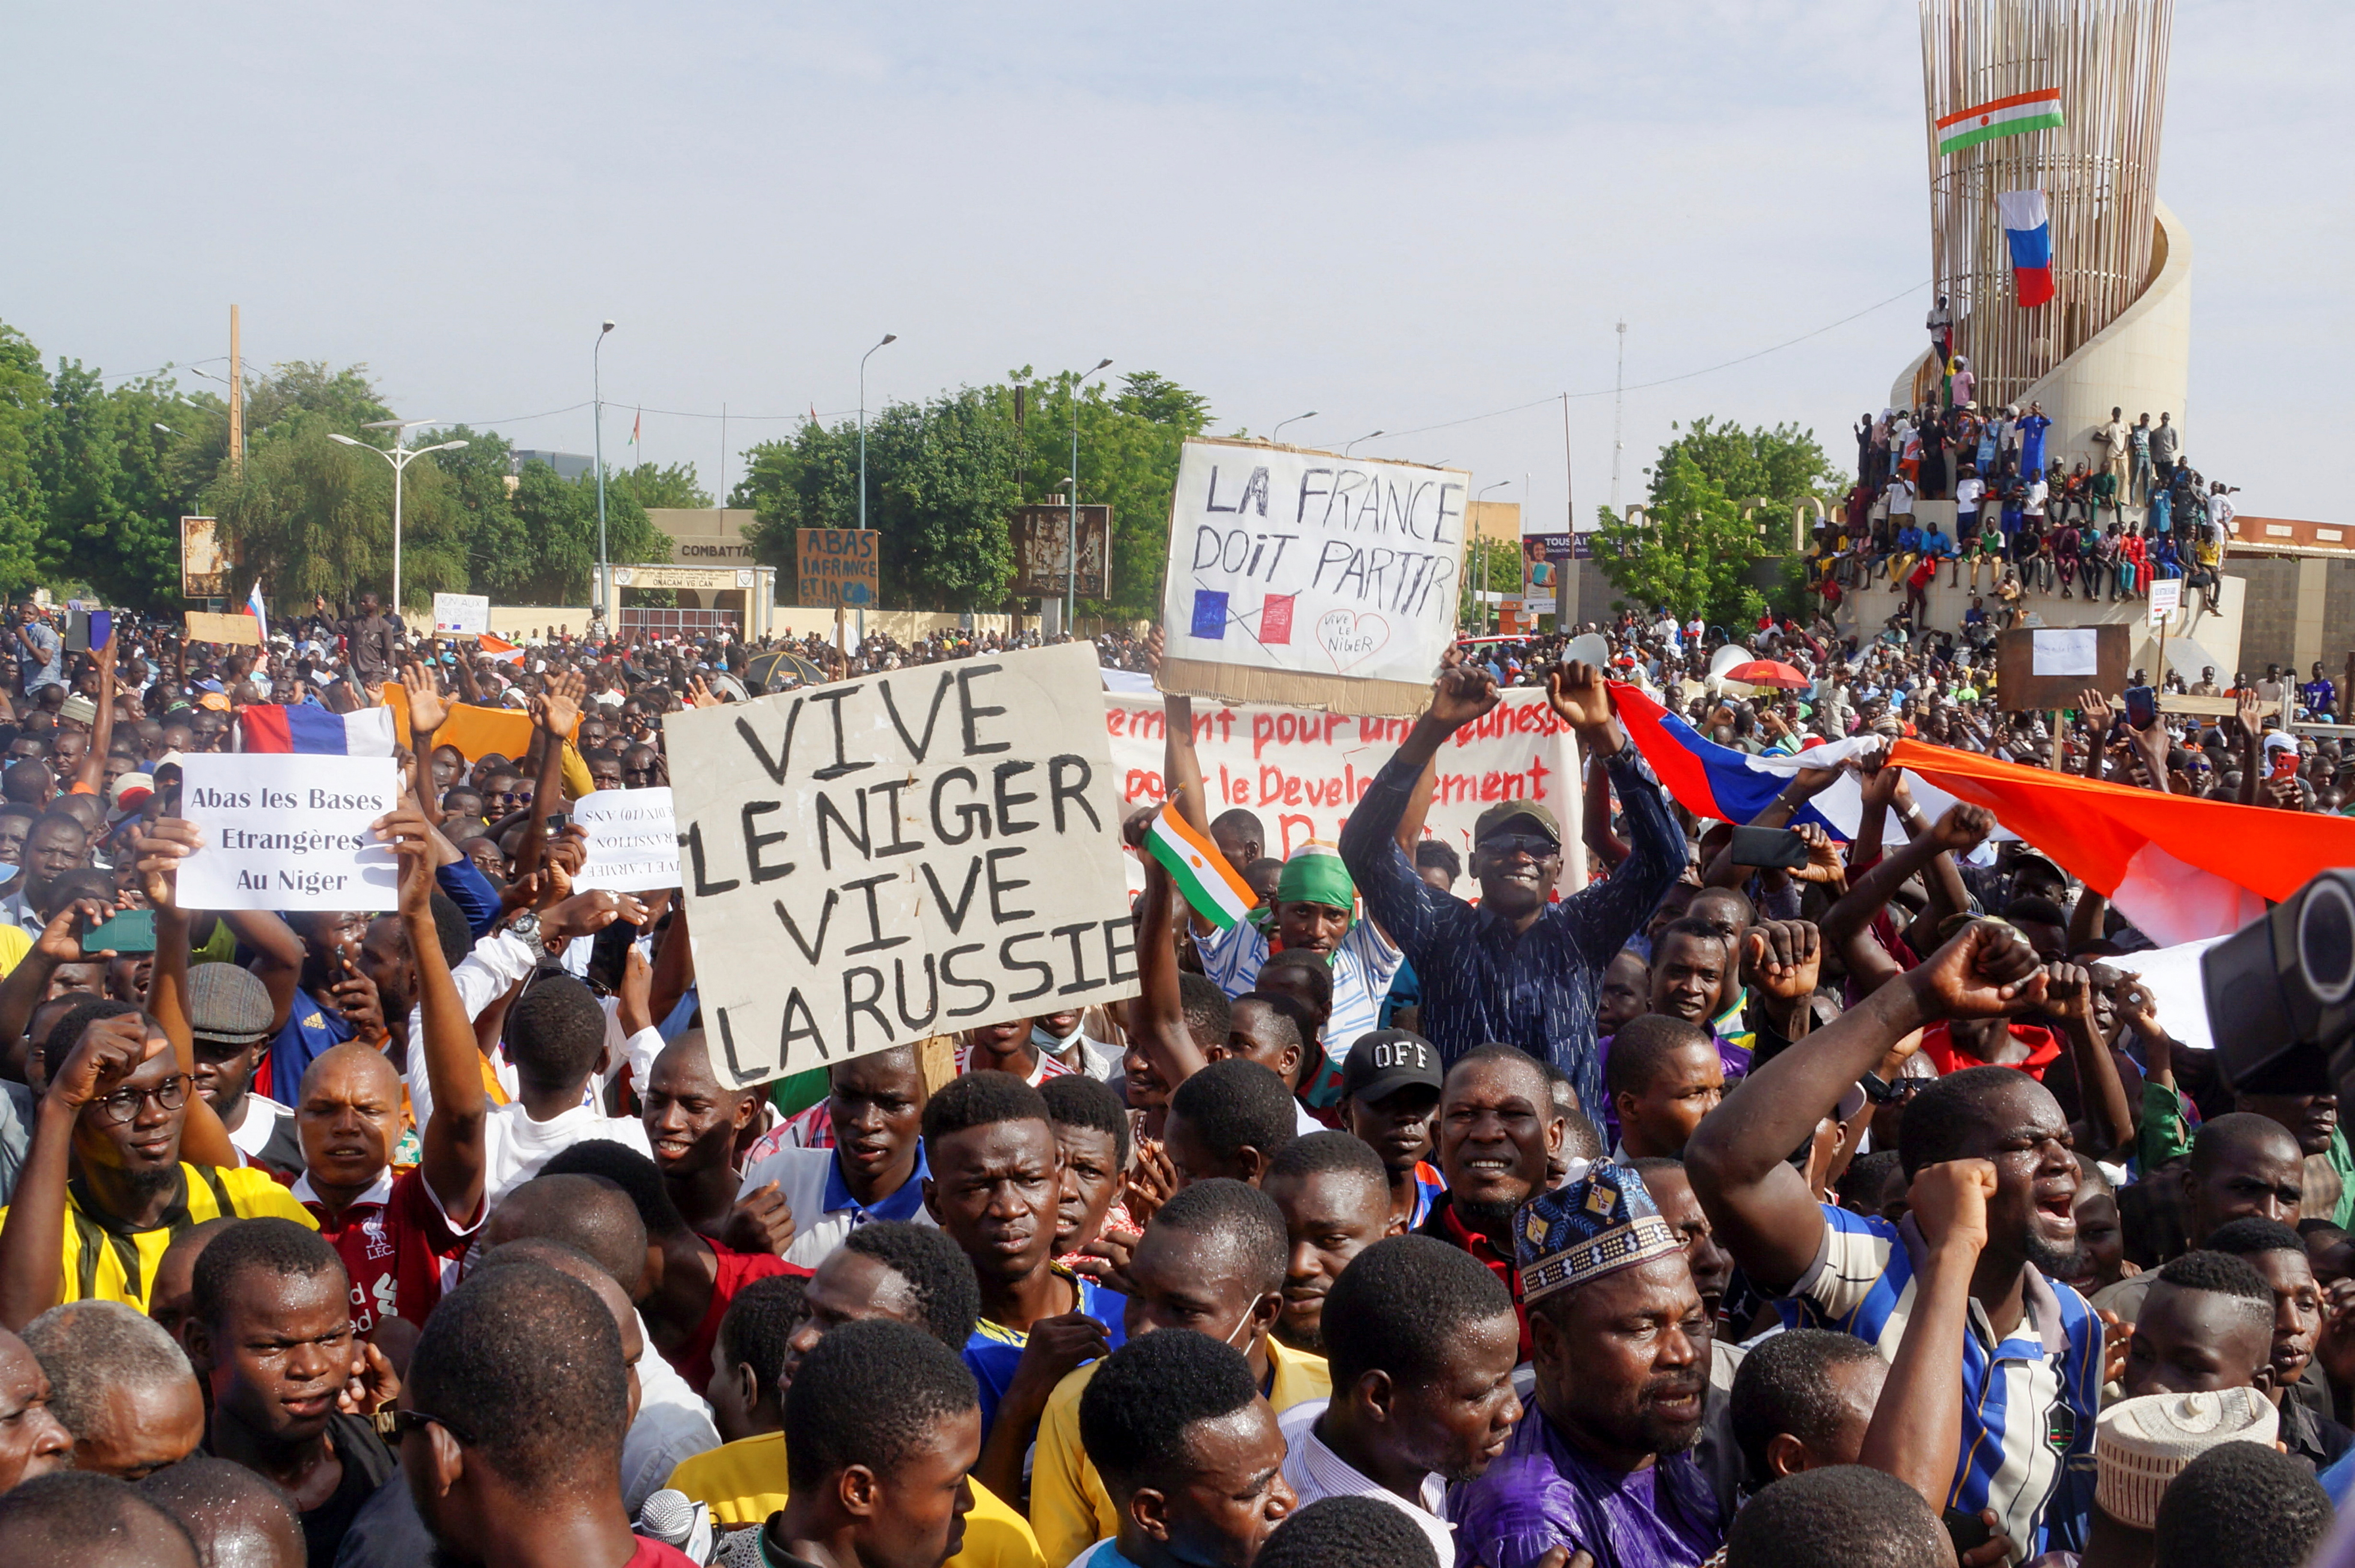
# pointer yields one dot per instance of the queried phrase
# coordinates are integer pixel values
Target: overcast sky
(1400, 217)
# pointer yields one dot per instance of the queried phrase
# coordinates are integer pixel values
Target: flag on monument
(1201, 873)
(2015, 115)
(2029, 233)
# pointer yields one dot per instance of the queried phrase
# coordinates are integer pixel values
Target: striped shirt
(2028, 1403)
(1362, 966)
(106, 1260)
(1538, 989)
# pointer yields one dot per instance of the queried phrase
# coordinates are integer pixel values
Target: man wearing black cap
(229, 1014)
(1390, 1093)
(1517, 967)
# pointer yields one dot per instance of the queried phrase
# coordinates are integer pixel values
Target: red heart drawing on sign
(1350, 636)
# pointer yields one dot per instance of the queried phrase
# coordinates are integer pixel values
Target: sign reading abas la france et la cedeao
(874, 862)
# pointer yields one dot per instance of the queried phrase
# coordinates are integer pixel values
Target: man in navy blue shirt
(1515, 968)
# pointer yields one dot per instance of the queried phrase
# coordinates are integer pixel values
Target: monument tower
(2043, 120)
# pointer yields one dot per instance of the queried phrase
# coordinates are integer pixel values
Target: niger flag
(2178, 867)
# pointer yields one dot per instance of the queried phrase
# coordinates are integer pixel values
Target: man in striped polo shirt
(2032, 1358)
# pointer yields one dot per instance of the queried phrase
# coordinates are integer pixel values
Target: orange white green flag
(1211, 885)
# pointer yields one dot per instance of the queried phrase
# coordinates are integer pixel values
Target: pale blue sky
(1397, 216)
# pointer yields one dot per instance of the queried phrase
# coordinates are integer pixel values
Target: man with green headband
(1316, 912)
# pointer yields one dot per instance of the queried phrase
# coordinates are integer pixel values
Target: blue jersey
(2028, 1403)
(993, 1350)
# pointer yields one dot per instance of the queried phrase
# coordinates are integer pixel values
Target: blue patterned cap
(1599, 1220)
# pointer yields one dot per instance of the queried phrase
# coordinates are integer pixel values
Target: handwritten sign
(1302, 773)
(462, 614)
(633, 840)
(878, 861)
(1309, 578)
(839, 566)
(2166, 598)
(289, 832)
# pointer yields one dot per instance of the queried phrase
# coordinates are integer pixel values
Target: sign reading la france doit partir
(873, 862)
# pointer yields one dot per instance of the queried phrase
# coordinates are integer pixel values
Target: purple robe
(1541, 1493)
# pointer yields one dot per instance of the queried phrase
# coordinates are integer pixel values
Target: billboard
(1039, 559)
(1542, 555)
(203, 569)
(839, 568)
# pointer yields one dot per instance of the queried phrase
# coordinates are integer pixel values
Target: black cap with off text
(1388, 1060)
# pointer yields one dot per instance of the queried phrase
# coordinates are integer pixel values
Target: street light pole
(1294, 420)
(400, 457)
(1368, 435)
(889, 337)
(1072, 521)
(597, 393)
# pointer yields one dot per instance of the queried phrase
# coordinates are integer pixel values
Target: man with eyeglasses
(122, 1102)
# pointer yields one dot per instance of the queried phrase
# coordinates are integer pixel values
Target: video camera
(2281, 994)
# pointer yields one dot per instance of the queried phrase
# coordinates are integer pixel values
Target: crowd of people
(1439, 1212)
(2032, 523)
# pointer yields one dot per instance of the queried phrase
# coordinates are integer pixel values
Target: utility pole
(236, 398)
(1618, 413)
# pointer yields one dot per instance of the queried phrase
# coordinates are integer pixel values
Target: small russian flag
(2029, 233)
(316, 732)
(260, 613)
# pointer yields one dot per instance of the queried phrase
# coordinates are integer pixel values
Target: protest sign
(1304, 578)
(1303, 772)
(633, 840)
(2051, 667)
(2166, 598)
(288, 831)
(878, 861)
(840, 567)
(462, 614)
(240, 631)
(1043, 565)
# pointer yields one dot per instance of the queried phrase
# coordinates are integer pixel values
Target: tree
(651, 487)
(1782, 467)
(1504, 578)
(23, 404)
(1689, 551)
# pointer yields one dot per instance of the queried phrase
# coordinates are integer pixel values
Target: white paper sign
(874, 862)
(2166, 598)
(289, 832)
(2067, 651)
(1315, 564)
(633, 840)
(462, 614)
(1302, 773)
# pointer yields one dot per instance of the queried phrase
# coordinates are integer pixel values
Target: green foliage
(1782, 466)
(945, 476)
(652, 487)
(1689, 551)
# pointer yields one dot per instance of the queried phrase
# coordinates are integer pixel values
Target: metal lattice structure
(2099, 172)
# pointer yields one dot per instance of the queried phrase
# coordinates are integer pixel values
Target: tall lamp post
(400, 457)
(597, 392)
(889, 338)
(1294, 420)
(1368, 435)
(1488, 611)
(1072, 521)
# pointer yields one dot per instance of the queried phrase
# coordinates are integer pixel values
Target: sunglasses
(1534, 845)
(405, 1422)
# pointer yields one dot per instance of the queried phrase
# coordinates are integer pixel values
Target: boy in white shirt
(556, 1039)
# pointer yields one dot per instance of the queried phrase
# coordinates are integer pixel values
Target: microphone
(670, 1518)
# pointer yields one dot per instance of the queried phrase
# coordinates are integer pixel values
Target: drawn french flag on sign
(2029, 233)
(316, 732)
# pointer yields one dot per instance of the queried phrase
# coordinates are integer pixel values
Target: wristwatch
(526, 925)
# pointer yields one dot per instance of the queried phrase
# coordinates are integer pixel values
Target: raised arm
(455, 1147)
(2101, 1093)
(427, 712)
(32, 1242)
(1761, 1208)
(279, 966)
(90, 780)
(203, 1140)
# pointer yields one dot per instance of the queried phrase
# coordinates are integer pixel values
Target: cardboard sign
(1299, 576)
(242, 630)
(839, 566)
(1302, 773)
(204, 566)
(287, 830)
(2166, 598)
(633, 840)
(2041, 668)
(874, 862)
(462, 614)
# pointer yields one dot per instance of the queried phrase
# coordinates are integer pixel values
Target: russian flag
(260, 613)
(1712, 781)
(316, 732)
(2029, 232)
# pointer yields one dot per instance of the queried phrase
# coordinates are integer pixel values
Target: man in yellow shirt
(120, 1100)
(889, 1269)
(1213, 1261)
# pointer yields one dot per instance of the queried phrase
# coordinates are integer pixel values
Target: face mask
(1039, 1037)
